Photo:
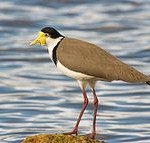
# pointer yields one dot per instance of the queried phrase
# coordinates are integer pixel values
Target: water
(36, 98)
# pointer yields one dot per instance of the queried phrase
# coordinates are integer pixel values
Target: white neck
(51, 43)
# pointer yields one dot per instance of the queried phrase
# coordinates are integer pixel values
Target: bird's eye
(46, 34)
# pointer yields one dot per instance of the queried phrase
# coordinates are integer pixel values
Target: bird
(87, 63)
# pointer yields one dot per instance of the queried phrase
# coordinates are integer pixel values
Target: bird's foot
(91, 135)
(72, 132)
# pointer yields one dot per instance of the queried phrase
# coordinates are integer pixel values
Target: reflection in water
(36, 98)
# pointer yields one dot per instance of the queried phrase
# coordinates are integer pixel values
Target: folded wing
(89, 59)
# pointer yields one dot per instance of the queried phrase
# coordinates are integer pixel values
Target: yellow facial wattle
(41, 39)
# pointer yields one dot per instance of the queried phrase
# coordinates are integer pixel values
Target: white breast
(73, 74)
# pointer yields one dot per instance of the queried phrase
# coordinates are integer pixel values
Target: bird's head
(45, 34)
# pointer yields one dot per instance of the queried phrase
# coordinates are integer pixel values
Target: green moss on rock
(58, 138)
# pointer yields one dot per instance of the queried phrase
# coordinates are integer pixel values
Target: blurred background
(36, 98)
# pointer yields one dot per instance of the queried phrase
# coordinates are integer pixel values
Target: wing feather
(87, 58)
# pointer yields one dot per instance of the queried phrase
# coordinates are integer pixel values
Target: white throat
(51, 43)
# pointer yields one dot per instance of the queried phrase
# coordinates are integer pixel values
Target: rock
(58, 138)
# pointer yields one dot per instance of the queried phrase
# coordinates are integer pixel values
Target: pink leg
(92, 135)
(85, 103)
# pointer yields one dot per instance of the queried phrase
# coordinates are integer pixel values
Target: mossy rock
(58, 138)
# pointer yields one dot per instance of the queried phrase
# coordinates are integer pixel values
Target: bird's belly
(73, 74)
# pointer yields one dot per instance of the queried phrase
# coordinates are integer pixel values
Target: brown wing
(89, 59)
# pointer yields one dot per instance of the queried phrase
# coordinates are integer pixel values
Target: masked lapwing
(86, 63)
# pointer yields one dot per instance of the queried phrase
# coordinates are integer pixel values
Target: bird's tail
(148, 82)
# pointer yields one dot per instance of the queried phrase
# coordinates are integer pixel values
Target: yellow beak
(41, 39)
